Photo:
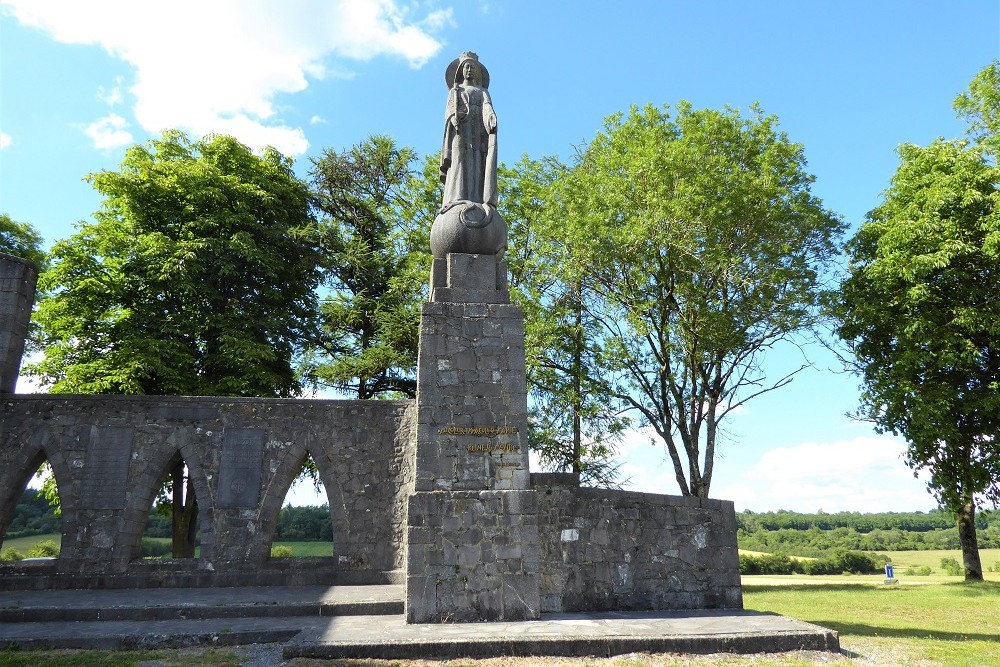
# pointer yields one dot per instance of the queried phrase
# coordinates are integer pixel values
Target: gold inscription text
(477, 430)
(493, 448)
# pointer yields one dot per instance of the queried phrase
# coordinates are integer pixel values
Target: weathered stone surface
(473, 556)
(618, 550)
(17, 295)
(464, 278)
(240, 469)
(471, 398)
(110, 454)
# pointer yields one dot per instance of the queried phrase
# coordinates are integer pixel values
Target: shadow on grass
(975, 589)
(865, 630)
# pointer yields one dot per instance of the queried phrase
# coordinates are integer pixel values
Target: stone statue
(468, 221)
(469, 150)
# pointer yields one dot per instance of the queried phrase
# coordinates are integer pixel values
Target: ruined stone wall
(17, 294)
(620, 550)
(110, 454)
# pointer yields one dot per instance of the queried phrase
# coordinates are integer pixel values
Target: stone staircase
(128, 618)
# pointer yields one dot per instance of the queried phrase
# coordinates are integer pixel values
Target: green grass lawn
(22, 544)
(308, 549)
(932, 559)
(299, 549)
(937, 624)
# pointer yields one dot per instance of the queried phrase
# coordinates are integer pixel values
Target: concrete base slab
(310, 620)
(198, 603)
(581, 634)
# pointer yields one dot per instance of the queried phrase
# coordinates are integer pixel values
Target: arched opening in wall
(305, 524)
(35, 527)
(172, 525)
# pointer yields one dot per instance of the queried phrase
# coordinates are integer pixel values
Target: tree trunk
(578, 386)
(966, 519)
(184, 511)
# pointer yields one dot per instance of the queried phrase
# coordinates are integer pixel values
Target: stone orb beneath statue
(470, 228)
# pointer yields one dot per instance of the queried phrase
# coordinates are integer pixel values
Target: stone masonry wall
(473, 556)
(619, 550)
(17, 295)
(471, 398)
(110, 454)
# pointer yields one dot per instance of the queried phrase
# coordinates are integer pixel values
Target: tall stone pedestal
(472, 528)
(17, 295)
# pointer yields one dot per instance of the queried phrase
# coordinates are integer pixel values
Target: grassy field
(934, 624)
(932, 559)
(304, 549)
(299, 549)
(22, 544)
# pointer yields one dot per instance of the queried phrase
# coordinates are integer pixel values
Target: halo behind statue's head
(451, 74)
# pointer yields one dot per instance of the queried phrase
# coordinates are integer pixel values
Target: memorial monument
(434, 493)
(472, 532)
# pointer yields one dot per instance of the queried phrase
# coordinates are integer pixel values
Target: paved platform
(158, 604)
(581, 634)
(331, 622)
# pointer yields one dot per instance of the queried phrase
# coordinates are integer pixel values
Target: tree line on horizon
(817, 535)
(655, 271)
(784, 533)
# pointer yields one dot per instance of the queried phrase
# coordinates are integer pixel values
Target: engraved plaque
(239, 476)
(106, 467)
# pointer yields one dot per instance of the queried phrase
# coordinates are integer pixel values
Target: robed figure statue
(468, 221)
(469, 150)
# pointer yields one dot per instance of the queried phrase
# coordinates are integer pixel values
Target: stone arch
(275, 493)
(148, 482)
(14, 478)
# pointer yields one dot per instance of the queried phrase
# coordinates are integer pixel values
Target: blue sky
(80, 81)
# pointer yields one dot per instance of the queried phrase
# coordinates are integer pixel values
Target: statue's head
(467, 69)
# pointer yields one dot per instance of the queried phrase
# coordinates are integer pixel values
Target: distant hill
(795, 533)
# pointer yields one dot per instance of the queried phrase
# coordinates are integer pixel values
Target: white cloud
(113, 96)
(5, 140)
(864, 474)
(109, 132)
(317, 120)
(216, 67)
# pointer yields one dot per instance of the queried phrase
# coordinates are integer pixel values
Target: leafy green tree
(21, 240)
(374, 269)
(573, 424)
(704, 246)
(197, 277)
(921, 315)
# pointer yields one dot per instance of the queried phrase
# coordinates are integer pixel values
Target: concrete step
(575, 634)
(198, 603)
(389, 637)
(330, 622)
(123, 635)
